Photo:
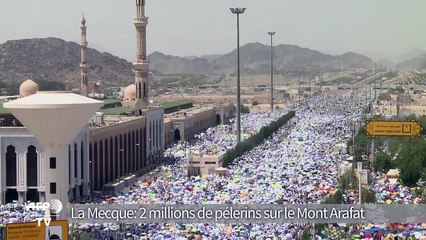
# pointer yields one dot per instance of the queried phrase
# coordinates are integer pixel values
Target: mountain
(54, 59)
(167, 64)
(211, 57)
(255, 58)
(386, 62)
(410, 54)
(418, 63)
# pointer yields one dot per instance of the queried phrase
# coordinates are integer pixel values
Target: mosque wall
(225, 113)
(154, 134)
(188, 122)
(23, 162)
(117, 150)
(168, 133)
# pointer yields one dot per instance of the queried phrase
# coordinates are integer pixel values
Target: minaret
(84, 68)
(140, 65)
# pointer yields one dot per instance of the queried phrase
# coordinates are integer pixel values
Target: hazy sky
(198, 27)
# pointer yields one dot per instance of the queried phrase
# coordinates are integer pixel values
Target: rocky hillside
(168, 64)
(418, 63)
(53, 59)
(255, 58)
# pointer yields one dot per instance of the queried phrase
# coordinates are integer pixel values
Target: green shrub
(245, 109)
(336, 198)
(382, 162)
(255, 140)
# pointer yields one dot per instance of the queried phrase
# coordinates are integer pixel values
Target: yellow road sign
(31, 231)
(375, 128)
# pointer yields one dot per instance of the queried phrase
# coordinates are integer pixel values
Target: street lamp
(238, 11)
(272, 72)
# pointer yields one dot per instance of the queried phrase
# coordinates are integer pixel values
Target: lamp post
(298, 89)
(272, 72)
(238, 11)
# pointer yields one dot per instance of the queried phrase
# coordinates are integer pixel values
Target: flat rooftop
(176, 103)
(189, 112)
(110, 100)
(118, 110)
(2, 109)
(110, 120)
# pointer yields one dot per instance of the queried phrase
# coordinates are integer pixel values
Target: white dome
(27, 88)
(130, 93)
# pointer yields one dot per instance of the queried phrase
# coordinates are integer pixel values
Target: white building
(48, 158)
(22, 163)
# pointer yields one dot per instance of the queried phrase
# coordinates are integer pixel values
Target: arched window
(101, 164)
(31, 166)
(125, 154)
(116, 161)
(121, 156)
(11, 195)
(177, 135)
(159, 134)
(10, 166)
(111, 160)
(95, 166)
(155, 134)
(137, 150)
(150, 136)
(32, 195)
(133, 152)
(145, 146)
(75, 160)
(141, 148)
(218, 120)
(91, 166)
(82, 159)
(129, 152)
(106, 155)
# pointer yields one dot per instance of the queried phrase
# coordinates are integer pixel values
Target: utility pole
(310, 82)
(298, 88)
(372, 150)
(375, 81)
(286, 88)
(372, 112)
(272, 72)
(366, 95)
(359, 182)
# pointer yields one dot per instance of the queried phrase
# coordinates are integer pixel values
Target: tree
(399, 89)
(336, 198)
(422, 120)
(51, 85)
(385, 96)
(382, 162)
(368, 196)
(410, 172)
(411, 161)
(245, 109)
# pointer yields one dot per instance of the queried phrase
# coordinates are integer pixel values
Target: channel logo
(52, 208)
(55, 206)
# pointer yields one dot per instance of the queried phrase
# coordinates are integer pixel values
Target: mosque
(121, 142)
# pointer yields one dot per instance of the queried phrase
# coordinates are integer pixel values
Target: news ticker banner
(251, 213)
